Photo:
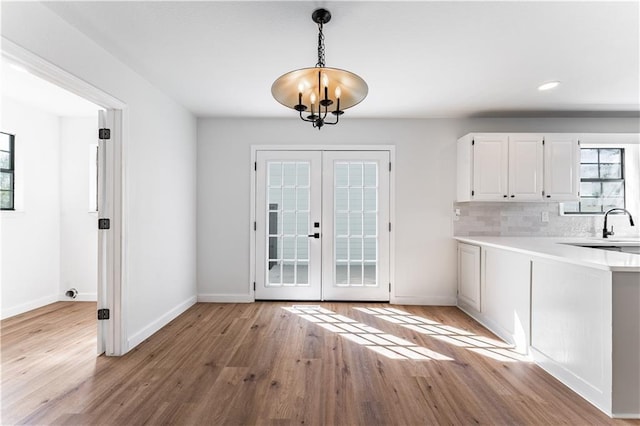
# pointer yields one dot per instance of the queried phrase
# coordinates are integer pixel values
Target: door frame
(392, 202)
(113, 342)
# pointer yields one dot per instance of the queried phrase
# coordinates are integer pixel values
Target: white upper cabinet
(500, 167)
(561, 167)
(490, 167)
(525, 167)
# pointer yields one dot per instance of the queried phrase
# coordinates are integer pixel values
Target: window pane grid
(601, 181)
(288, 217)
(7, 171)
(355, 223)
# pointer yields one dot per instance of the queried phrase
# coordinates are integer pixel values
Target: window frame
(11, 170)
(601, 180)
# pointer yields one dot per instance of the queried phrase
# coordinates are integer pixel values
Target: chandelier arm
(335, 122)
(304, 119)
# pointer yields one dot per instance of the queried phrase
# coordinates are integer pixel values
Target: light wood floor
(263, 364)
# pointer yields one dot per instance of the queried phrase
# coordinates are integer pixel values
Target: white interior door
(322, 225)
(356, 225)
(288, 201)
(104, 211)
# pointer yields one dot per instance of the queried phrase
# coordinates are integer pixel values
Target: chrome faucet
(605, 232)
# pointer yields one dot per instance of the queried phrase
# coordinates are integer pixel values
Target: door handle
(316, 235)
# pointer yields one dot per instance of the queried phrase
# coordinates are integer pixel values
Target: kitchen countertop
(558, 249)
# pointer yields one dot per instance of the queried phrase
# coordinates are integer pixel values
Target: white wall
(425, 191)
(78, 226)
(160, 150)
(30, 236)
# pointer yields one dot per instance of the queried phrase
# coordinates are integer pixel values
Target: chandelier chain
(320, 46)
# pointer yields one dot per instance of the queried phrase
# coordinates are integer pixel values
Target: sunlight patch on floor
(482, 345)
(376, 340)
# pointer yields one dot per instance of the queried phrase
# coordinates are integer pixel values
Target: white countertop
(553, 248)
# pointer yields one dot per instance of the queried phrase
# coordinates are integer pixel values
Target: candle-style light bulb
(313, 98)
(300, 87)
(338, 92)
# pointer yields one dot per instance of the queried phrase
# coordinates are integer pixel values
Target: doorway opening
(322, 224)
(85, 170)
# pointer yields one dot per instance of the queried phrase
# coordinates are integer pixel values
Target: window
(7, 161)
(601, 181)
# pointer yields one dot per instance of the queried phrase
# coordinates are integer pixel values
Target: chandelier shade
(318, 91)
(352, 88)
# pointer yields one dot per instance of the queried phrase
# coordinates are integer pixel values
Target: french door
(322, 225)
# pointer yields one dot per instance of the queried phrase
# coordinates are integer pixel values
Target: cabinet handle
(548, 196)
(513, 196)
(504, 196)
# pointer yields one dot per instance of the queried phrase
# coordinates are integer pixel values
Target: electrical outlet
(456, 215)
(545, 216)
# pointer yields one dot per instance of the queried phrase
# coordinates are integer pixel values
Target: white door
(288, 208)
(525, 167)
(356, 225)
(561, 167)
(322, 225)
(490, 167)
(104, 211)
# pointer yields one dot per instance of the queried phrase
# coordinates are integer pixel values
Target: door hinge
(255, 226)
(104, 223)
(255, 166)
(254, 286)
(103, 314)
(104, 134)
(389, 165)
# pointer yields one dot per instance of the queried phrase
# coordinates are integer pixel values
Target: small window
(7, 171)
(601, 181)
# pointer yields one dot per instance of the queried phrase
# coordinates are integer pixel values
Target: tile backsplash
(525, 220)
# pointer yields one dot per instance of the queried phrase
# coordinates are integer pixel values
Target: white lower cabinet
(505, 296)
(579, 323)
(469, 276)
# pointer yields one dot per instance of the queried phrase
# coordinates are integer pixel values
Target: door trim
(392, 202)
(114, 339)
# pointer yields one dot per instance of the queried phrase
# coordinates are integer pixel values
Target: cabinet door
(525, 167)
(490, 167)
(469, 276)
(561, 167)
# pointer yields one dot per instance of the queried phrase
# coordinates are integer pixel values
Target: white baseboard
(29, 306)
(81, 297)
(156, 325)
(225, 298)
(425, 301)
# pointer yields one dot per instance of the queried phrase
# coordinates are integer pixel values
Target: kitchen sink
(625, 245)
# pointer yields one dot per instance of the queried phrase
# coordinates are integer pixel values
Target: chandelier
(317, 91)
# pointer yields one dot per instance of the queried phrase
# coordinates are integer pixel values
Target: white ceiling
(420, 59)
(33, 91)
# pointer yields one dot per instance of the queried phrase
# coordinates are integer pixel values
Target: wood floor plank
(267, 364)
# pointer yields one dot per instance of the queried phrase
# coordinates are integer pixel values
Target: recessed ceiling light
(548, 85)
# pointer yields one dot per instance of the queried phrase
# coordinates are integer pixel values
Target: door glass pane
(288, 223)
(369, 277)
(355, 273)
(355, 216)
(302, 273)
